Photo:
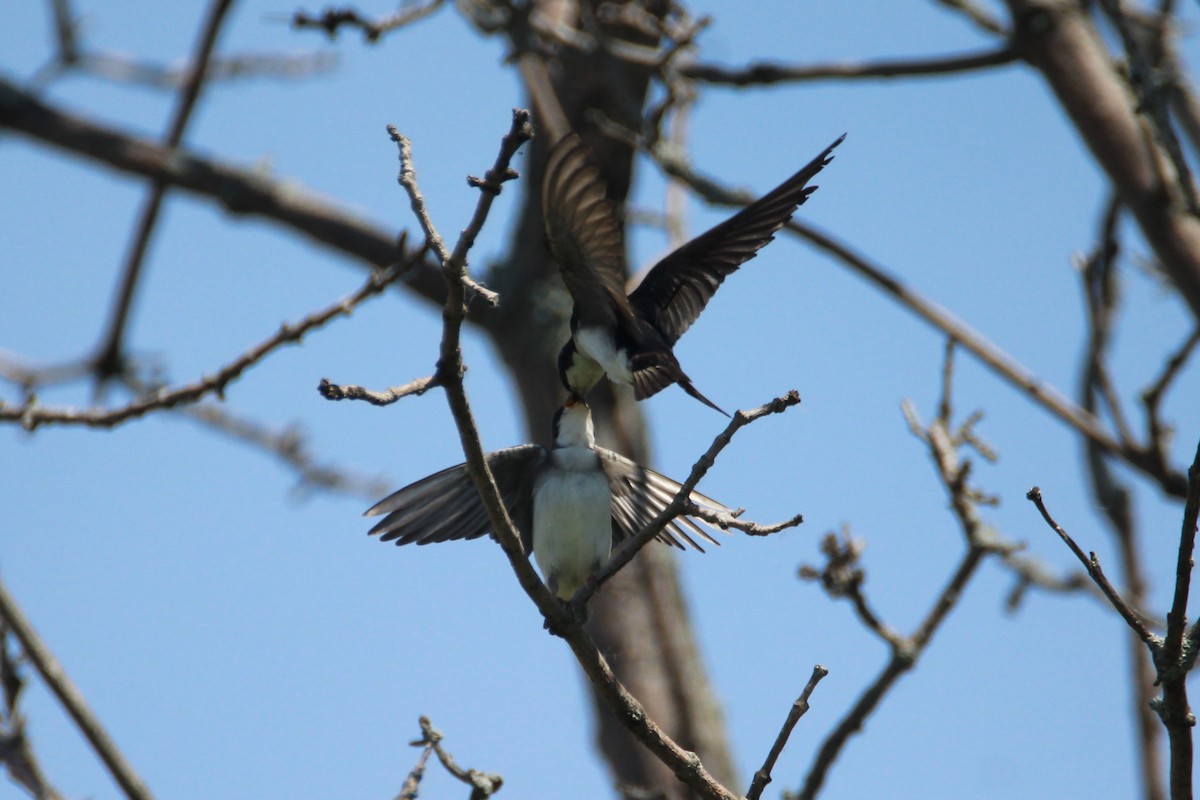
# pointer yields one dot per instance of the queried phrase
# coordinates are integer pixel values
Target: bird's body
(571, 504)
(572, 518)
(631, 336)
(599, 346)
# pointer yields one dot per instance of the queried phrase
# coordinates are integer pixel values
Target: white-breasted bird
(571, 503)
(631, 336)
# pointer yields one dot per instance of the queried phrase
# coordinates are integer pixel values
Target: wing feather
(677, 289)
(445, 506)
(583, 233)
(640, 494)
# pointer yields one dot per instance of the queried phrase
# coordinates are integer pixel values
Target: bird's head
(573, 425)
(577, 372)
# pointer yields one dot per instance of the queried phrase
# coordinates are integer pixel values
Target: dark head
(577, 373)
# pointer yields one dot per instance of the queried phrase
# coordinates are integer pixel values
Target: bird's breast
(599, 345)
(572, 512)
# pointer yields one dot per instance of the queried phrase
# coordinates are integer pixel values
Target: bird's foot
(572, 616)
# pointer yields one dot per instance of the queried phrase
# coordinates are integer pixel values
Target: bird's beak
(571, 401)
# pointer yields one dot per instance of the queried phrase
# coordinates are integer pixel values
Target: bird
(630, 336)
(570, 503)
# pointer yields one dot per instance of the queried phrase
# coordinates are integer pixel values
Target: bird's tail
(655, 370)
(685, 383)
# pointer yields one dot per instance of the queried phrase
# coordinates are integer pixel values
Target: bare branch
(767, 73)
(16, 752)
(1145, 61)
(332, 20)
(333, 391)
(490, 187)
(30, 415)
(1102, 295)
(1092, 564)
(799, 708)
(681, 504)
(120, 68)
(745, 526)
(1177, 616)
(240, 191)
(979, 16)
(1156, 431)
(1178, 654)
(1061, 41)
(953, 473)
(110, 360)
(58, 682)
(483, 784)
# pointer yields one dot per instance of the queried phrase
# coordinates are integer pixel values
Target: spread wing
(445, 505)
(677, 289)
(639, 494)
(583, 233)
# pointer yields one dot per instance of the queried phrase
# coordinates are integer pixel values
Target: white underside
(598, 345)
(572, 509)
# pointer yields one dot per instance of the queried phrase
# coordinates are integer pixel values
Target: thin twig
(332, 20)
(58, 682)
(30, 415)
(1092, 564)
(953, 472)
(1101, 289)
(16, 752)
(976, 14)
(483, 784)
(110, 359)
(1178, 653)
(726, 521)
(799, 708)
(1156, 430)
(239, 191)
(1153, 96)
(767, 73)
(1174, 654)
(120, 68)
(842, 576)
(334, 391)
(450, 363)
(412, 784)
(680, 503)
(490, 187)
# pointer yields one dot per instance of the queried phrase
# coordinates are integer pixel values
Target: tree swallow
(570, 504)
(630, 336)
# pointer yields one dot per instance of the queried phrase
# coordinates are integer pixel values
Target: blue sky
(243, 639)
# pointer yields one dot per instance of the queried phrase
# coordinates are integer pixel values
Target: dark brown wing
(640, 494)
(583, 233)
(446, 506)
(677, 289)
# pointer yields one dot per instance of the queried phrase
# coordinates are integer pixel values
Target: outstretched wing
(583, 233)
(677, 289)
(640, 494)
(446, 506)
